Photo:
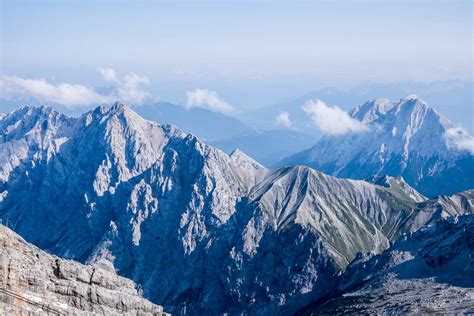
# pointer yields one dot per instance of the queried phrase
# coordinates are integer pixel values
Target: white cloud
(129, 91)
(63, 93)
(283, 119)
(108, 74)
(126, 90)
(207, 99)
(332, 120)
(459, 138)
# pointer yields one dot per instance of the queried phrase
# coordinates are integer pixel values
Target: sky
(244, 53)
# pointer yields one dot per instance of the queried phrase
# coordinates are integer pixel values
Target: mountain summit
(405, 138)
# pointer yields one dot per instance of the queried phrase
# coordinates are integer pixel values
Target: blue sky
(251, 52)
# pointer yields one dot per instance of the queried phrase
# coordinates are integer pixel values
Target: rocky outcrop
(430, 271)
(33, 281)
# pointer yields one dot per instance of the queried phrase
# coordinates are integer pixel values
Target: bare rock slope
(430, 271)
(33, 281)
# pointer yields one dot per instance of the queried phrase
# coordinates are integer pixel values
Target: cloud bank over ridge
(331, 119)
(127, 90)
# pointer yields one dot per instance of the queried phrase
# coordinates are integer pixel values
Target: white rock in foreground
(32, 280)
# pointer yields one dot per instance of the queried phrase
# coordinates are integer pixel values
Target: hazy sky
(252, 52)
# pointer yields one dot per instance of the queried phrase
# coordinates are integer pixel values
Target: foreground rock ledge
(33, 281)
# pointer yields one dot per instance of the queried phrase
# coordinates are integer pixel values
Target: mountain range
(219, 130)
(451, 97)
(405, 138)
(229, 133)
(197, 229)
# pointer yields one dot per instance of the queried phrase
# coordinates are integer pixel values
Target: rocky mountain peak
(411, 97)
(243, 160)
(31, 119)
(408, 138)
(400, 185)
(372, 110)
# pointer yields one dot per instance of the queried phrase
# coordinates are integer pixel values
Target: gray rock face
(34, 281)
(200, 231)
(430, 271)
(406, 138)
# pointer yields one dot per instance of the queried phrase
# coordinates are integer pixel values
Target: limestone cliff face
(33, 281)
